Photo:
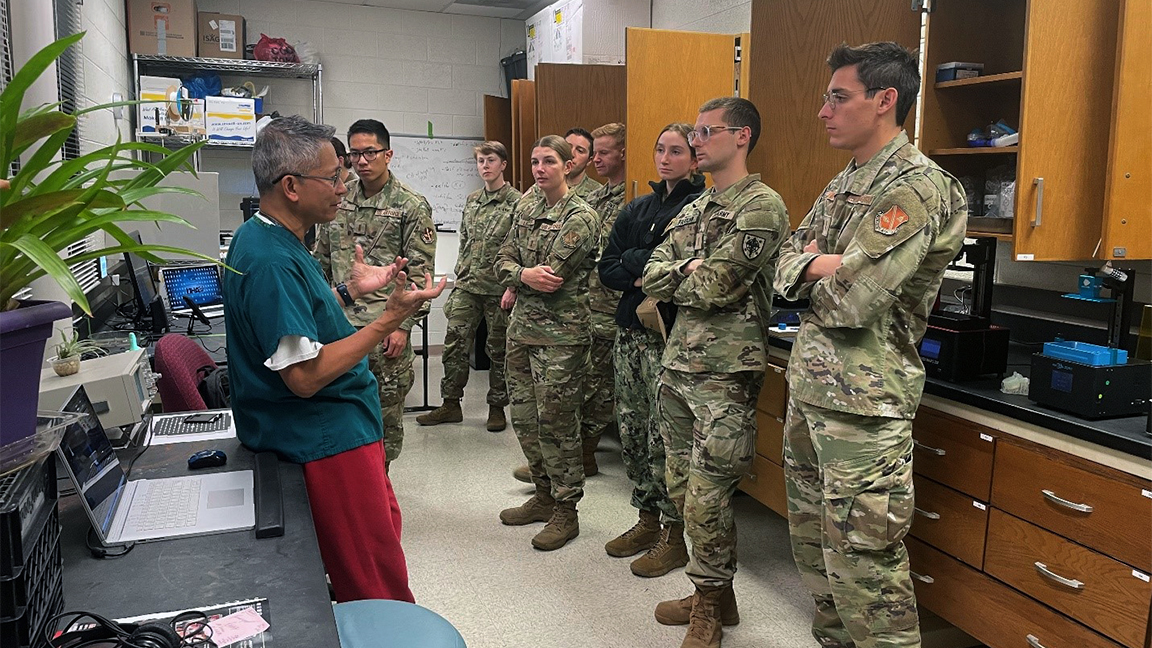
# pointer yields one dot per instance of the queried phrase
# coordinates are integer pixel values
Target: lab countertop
(1125, 434)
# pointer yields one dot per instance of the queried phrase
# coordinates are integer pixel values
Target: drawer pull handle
(939, 452)
(1034, 642)
(1048, 573)
(752, 477)
(1053, 497)
(931, 515)
(922, 578)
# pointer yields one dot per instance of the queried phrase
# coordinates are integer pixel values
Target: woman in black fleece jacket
(638, 230)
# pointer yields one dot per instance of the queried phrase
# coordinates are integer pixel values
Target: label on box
(980, 505)
(227, 35)
(985, 437)
(1141, 575)
(1025, 257)
(231, 120)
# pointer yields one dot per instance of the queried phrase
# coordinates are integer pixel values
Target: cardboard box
(155, 92)
(162, 27)
(230, 120)
(220, 35)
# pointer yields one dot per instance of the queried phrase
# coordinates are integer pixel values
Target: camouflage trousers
(708, 423)
(637, 361)
(598, 411)
(545, 388)
(850, 503)
(394, 377)
(465, 311)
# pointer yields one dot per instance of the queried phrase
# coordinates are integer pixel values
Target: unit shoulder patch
(889, 221)
(429, 235)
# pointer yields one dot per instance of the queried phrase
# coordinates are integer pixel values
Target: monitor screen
(140, 277)
(89, 456)
(200, 283)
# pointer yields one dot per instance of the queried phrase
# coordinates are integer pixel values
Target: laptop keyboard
(176, 425)
(168, 504)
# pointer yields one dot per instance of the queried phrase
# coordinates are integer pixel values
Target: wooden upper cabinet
(1065, 109)
(670, 75)
(1127, 210)
(523, 132)
(788, 74)
(576, 95)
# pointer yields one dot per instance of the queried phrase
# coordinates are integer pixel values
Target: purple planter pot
(23, 334)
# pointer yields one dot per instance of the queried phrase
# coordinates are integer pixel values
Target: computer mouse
(207, 459)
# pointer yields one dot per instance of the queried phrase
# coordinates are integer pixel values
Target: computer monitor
(200, 283)
(141, 279)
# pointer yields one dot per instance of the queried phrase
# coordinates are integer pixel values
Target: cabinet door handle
(939, 452)
(1048, 573)
(931, 515)
(1034, 642)
(1039, 182)
(1053, 497)
(928, 580)
(752, 477)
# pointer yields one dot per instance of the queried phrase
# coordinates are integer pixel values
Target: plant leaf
(51, 263)
(37, 204)
(13, 95)
(38, 127)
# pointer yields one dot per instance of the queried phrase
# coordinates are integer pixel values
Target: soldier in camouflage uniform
(476, 296)
(578, 179)
(547, 258)
(388, 220)
(870, 255)
(716, 266)
(638, 230)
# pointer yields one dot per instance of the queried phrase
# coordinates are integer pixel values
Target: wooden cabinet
(523, 132)
(765, 480)
(950, 520)
(954, 452)
(576, 95)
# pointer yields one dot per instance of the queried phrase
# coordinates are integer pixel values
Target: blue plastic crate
(1085, 353)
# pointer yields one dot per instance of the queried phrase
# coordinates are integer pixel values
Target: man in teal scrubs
(298, 369)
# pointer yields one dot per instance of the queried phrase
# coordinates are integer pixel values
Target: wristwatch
(342, 290)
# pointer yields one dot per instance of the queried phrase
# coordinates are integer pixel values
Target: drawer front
(765, 482)
(1100, 508)
(950, 521)
(774, 395)
(992, 612)
(954, 452)
(1098, 591)
(770, 437)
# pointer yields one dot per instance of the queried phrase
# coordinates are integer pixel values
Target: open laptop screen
(89, 456)
(200, 283)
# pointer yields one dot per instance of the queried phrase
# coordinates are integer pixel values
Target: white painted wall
(716, 16)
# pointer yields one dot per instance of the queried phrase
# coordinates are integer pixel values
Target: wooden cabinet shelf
(999, 236)
(1006, 77)
(976, 150)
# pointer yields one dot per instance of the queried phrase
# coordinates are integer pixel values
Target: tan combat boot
(704, 623)
(664, 556)
(562, 527)
(590, 467)
(642, 535)
(523, 473)
(537, 509)
(449, 412)
(496, 420)
(679, 612)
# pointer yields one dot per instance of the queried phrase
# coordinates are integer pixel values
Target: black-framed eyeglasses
(702, 134)
(367, 154)
(839, 97)
(333, 180)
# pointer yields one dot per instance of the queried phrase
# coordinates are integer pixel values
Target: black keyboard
(176, 425)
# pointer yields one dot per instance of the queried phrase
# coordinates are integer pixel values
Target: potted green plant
(49, 204)
(70, 351)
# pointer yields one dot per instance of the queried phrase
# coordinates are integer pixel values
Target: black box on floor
(1088, 391)
(31, 563)
(27, 500)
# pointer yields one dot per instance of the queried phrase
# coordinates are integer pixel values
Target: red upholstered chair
(178, 361)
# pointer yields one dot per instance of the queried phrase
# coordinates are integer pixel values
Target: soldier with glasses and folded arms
(387, 219)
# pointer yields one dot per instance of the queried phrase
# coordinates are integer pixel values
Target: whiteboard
(443, 170)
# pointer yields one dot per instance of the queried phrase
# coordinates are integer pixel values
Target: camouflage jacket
(587, 188)
(395, 222)
(563, 237)
(606, 203)
(483, 228)
(898, 220)
(722, 322)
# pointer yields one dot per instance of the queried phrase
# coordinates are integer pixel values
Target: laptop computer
(143, 510)
(200, 283)
(186, 427)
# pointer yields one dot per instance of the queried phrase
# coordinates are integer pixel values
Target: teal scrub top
(281, 291)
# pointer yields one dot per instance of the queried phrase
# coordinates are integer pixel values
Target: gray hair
(287, 145)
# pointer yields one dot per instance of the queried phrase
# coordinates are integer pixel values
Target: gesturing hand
(367, 279)
(541, 278)
(407, 298)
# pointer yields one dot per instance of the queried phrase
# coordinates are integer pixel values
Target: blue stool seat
(379, 623)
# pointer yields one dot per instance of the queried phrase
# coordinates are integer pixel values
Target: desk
(191, 572)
